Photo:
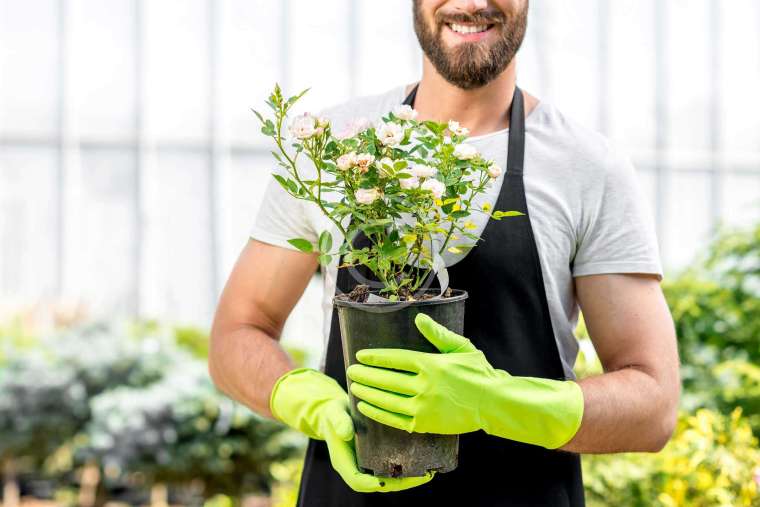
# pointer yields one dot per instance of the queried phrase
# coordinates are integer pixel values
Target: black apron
(507, 317)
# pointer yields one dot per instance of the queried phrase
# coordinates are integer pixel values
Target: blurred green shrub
(138, 399)
(712, 460)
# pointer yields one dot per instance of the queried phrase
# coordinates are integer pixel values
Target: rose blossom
(354, 127)
(405, 112)
(423, 171)
(363, 161)
(367, 195)
(322, 122)
(346, 161)
(390, 134)
(465, 151)
(457, 129)
(435, 187)
(303, 126)
(409, 183)
(494, 171)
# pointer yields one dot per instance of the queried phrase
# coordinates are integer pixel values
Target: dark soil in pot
(380, 449)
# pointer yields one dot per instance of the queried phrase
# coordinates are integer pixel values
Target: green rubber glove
(458, 391)
(316, 405)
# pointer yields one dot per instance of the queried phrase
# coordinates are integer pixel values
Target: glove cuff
(278, 385)
(533, 410)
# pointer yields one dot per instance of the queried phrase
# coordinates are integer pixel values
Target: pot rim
(457, 295)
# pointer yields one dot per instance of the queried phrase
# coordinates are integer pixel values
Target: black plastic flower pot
(380, 449)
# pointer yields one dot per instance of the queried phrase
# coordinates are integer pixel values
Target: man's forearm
(245, 363)
(626, 410)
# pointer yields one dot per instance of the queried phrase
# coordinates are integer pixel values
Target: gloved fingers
(397, 359)
(383, 399)
(398, 421)
(339, 421)
(445, 340)
(382, 378)
(343, 460)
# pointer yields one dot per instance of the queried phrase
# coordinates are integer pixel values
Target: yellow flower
(409, 238)
(469, 225)
(487, 207)
(454, 250)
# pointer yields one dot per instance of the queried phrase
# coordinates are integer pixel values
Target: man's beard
(472, 64)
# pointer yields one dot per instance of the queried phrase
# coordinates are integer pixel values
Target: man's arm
(633, 405)
(245, 358)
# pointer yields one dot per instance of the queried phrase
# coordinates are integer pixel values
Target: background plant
(409, 186)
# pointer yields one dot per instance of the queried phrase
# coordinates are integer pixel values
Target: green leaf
(500, 214)
(325, 259)
(258, 115)
(302, 244)
(325, 242)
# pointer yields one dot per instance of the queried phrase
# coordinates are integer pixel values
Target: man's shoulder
(367, 107)
(572, 141)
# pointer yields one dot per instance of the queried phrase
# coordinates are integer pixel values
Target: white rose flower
(354, 127)
(435, 187)
(367, 195)
(385, 166)
(494, 171)
(390, 134)
(456, 129)
(303, 126)
(409, 183)
(363, 161)
(405, 112)
(465, 151)
(346, 161)
(423, 171)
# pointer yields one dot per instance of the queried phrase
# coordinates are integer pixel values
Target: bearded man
(585, 241)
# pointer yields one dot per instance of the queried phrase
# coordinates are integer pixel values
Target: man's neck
(482, 110)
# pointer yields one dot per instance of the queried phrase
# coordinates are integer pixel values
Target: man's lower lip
(470, 37)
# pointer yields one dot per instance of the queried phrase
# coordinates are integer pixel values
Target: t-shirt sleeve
(617, 233)
(281, 217)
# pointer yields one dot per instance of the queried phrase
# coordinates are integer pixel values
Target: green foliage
(712, 460)
(138, 398)
(408, 185)
(716, 308)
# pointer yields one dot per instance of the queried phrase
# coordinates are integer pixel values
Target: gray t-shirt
(586, 208)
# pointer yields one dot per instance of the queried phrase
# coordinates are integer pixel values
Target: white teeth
(468, 28)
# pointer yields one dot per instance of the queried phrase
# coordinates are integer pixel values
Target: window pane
(571, 58)
(687, 217)
(28, 224)
(740, 81)
(319, 52)
(387, 51)
(741, 199)
(176, 54)
(243, 182)
(176, 247)
(103, 85)
(688, 80)
(631, 81)
(101, 233)
(251, 61)
(29, 68)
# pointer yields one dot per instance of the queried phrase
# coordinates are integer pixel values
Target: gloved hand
(458, 391)
(316, 405)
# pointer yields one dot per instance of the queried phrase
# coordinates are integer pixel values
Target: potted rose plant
(407, 189)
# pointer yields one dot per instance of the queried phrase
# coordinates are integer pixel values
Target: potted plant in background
(407, 188)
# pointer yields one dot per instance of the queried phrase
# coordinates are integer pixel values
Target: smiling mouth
(468, 29)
